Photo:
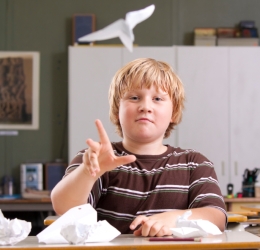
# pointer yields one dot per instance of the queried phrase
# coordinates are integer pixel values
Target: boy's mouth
(143, 119)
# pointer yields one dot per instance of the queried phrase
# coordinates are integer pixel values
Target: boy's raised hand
(100, 157)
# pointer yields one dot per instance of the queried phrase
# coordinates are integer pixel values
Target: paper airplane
(122, 28)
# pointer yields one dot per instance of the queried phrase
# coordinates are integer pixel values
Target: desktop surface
(228, 240)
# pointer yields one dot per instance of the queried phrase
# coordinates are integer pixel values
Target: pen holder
(248, 189)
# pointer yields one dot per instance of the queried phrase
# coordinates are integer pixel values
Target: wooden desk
(26, 205)
(228, 240)
(236, 218)
(245, 213)
(50, 219)
(252, 208)
(234, 204)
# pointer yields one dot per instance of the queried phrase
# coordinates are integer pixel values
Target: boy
(140, 185)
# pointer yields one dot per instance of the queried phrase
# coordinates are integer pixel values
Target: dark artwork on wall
(17, 93)
(15, 105)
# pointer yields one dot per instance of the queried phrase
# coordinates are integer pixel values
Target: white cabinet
(204, 127)
(90, 73)
(222, 115)
(244, 68)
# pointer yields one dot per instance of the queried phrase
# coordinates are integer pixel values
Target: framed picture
(19, 90)
(82, 24)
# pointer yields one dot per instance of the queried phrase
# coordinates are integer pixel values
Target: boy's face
(145, 114)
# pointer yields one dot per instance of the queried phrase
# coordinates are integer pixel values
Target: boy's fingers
(102, 132)
(164, 231)
(91, 157)
(90, 165)
(152, 229)
(125, 159)
(138, 221)
(138, 232)
(94, 165)
(93, 145)
(149, 228)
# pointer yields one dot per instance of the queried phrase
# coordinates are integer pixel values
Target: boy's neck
(153, 148)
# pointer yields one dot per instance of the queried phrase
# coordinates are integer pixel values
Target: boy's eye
(158, 99)
(134, 97)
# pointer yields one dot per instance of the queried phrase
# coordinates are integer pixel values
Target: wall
(46, 25)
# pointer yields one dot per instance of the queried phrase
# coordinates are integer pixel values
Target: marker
(174, 239)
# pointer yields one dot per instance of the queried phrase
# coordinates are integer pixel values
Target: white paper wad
(80, 215)
(193, 228)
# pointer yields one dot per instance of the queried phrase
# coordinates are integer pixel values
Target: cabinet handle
(223, 168)
(236, 168)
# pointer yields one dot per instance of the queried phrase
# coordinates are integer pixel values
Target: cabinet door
(90, 74)
(166, 54)
(204, 127)
(245, 111)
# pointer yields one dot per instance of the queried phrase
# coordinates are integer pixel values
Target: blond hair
(146, 72)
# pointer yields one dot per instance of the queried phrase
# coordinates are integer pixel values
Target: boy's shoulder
(181, 151)
(187, 154)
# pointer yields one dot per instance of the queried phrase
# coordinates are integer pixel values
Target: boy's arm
(74, 189)
(160, 224)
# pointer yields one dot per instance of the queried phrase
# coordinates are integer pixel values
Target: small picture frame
(19, 90)
(82, 24)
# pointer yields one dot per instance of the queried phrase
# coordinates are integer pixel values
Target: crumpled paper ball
(193, 228)
(79, 233)
(13, 231)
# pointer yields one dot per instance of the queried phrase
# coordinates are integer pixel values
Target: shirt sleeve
(204, 186)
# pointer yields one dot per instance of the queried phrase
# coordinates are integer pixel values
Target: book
(227, 32)
(247, 24)
(204, 31)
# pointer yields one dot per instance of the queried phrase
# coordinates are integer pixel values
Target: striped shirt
(176, 179)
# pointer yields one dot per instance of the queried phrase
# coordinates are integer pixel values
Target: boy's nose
(145, 106)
